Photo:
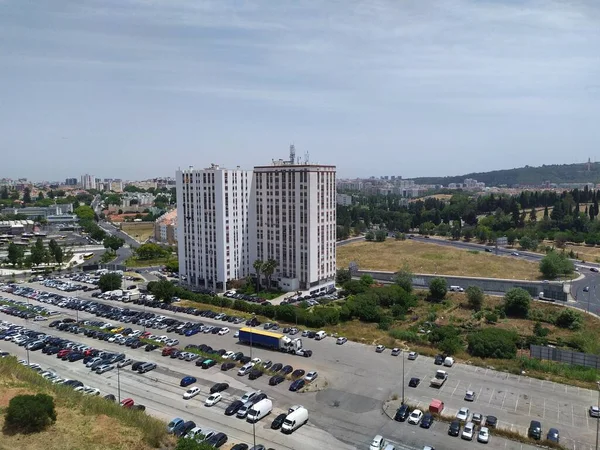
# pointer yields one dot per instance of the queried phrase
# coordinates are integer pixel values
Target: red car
(64, 352)
(89, 351)
(127, 402)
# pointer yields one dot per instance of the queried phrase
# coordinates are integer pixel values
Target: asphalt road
(356, 382)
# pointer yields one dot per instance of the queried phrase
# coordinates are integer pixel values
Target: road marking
(573, 414)
(517, 404)
(530, 403)
(587, 420)
(479, 395)
(558, 412)
(530, 380)
(502, 407)
(458, 384)
(544, 412)
(491, 396)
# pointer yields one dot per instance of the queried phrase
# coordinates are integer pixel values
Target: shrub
(408, 336)
(342, 276)
(517, 302)
(570, 319)
(451, 345)
(474, 297)
(385, 322)
(438, 288)
(493, 343)
(555, 264)
(491, 317)
(30, 413)
(109, 282)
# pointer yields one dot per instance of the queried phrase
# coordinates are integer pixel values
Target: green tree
(380, 235)
(528, 243)
(109, 282)
(342, 276)
(30, 413)
(84, 212)
(4, 193)
(258, 264)
(38, 252)
(493, 343)
(370, 236)
(59, 255)
(517, 302)
(164, 290)
(367, 280)
(555, 264)
(172, 266)
(438, 288)
(404, 279)
(113, 242)
(15, 254)
(191, 444)
(268, 269)
(14, 195)
(475, 297)
(569, 318)
(40, 195)
(27, 195)
(151, 251)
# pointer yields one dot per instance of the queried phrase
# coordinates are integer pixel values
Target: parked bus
(88, 255)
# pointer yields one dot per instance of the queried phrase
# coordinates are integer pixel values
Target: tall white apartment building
(293, 221)
(88, 181)
(212, 231)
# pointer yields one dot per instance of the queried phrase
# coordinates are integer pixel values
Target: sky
(135, 89)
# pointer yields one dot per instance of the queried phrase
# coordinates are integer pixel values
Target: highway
(355, 382)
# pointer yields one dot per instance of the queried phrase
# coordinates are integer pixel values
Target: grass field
(423, 257)
(139, 232)
(83, 423)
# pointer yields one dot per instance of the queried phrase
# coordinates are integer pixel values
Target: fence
(564, 356)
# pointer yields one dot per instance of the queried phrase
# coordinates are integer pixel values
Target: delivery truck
(268, 339)
(440, 378)
(259, 410)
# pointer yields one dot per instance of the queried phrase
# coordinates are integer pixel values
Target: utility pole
(403, 376)
(598, 418)
(118, 383)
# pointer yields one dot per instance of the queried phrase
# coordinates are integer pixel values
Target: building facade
(212, 226)
(293, 221)
(88, 181)
(165, 228)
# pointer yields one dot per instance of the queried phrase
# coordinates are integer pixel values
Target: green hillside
(554, 173)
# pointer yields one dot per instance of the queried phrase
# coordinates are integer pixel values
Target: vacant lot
(422, 257)
(140, 232)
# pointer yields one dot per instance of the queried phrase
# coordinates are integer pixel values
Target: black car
(427, 420)
(298, 373)
(245, 359)
(150, 347)
(276, 367)
(535, 430)
(110, 397)
(454, 428)
(439, 360)
(138, 408)
(219, 387)
(255, 373)
(184, 429)
(402, 413)
(414, 382)
(278, 421)
(276, 379)
(217, 440)
(491, 421)
(136, 365)
(227, 366)
(233, 408)
(286, 370)
(241, 446)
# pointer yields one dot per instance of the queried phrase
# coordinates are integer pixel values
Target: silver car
(104, 368)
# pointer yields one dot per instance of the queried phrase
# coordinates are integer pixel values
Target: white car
(236, 334)
(341, 340)
(228, 355)
(380, 348)
(514, 254)
(468, 431)
(256, 361)
(413, 355)
(594, 411)
(191, 392)
(484, 435)
(213, 399)
(378, 443)
(223, 331)
(124, 363)
(39, 318)
(311, 376)
(415, 417)
(463, 414)
(208, 329)
(91, 391)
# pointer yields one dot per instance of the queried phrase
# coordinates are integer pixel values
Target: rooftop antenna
(306, 157)
(292, 154)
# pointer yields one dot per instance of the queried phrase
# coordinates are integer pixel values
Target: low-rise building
(165, 228)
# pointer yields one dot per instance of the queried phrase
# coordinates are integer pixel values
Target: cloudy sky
(138, 88)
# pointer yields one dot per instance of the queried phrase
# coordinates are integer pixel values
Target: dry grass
(139, 232)
(423, 257)
(437, 196)
(75, 429)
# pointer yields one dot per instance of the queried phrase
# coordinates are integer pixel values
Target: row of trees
(39, 254)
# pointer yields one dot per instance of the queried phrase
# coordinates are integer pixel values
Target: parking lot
(359, 381)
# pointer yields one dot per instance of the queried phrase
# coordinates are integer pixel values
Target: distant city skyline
(135, 90)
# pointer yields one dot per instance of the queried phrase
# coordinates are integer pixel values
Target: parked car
(454, 428)
(415, 417)
(535, 430)
(468, 431)
(402, 413)
(380, 348)
(213, 399)
(470, 396)
(427, 420)
(553, 435)
(341, 340)
(127, 403)
(414, 382)
(278, 421)
(234, 407)
(297, 385)
(186, 381)
(219, 387)
(484, 435)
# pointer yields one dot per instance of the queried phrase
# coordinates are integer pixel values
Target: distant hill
(555, 173)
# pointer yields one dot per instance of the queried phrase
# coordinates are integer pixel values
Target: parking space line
(479, 395)
(573, 414)
(530, 403)
(458, 384)
(502, 407)
(517, 403)
(558, 412)
(544, 412)
(530, 380)
(587, 420)
(491, 397)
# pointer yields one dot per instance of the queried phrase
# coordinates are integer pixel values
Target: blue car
(297, 385)
(173, 424)
(186, 381)
(191, 331)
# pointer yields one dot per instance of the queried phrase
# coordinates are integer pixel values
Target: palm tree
(258, 264)
(268, 268)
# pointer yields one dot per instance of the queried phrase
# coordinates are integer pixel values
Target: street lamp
(118, 383)
(402, 376)
(598, 418)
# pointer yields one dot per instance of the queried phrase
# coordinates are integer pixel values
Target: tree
(191, 444)
(493, 343)
(4, 193)
(38, 252)
(109, 282)
(30, 413)
(172, 266)
(59, 255)
(40, 196)
(15, 254)
(517, 302)
(27, 195)
(554, 264)
(258, 264)
(370, 236)
(404, 279)
(367, 280)
(569, 318)
(475, 297)
(380, 236)
(268, 269)
(84, 212)
(113, 242)
(342, 276)
(163, 290)
(528, 243)
(151, 251)
(438, 288)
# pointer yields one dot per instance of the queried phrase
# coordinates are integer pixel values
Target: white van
(449, 361)
(259, 410)
(320, 335)
(295, 420)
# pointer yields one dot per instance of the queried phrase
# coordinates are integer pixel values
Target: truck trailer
(268, 339)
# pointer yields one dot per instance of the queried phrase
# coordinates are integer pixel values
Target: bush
(385, 322)
(493, 343)
(342, 276)
(404, 279)
(30, 413)
(451, 345)
(554, 264)
(491, 317)
(109, 282)
(190, 444)
(408, 336)
(570, 319)
(474, 297)
(438, 288)
(517, 302)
